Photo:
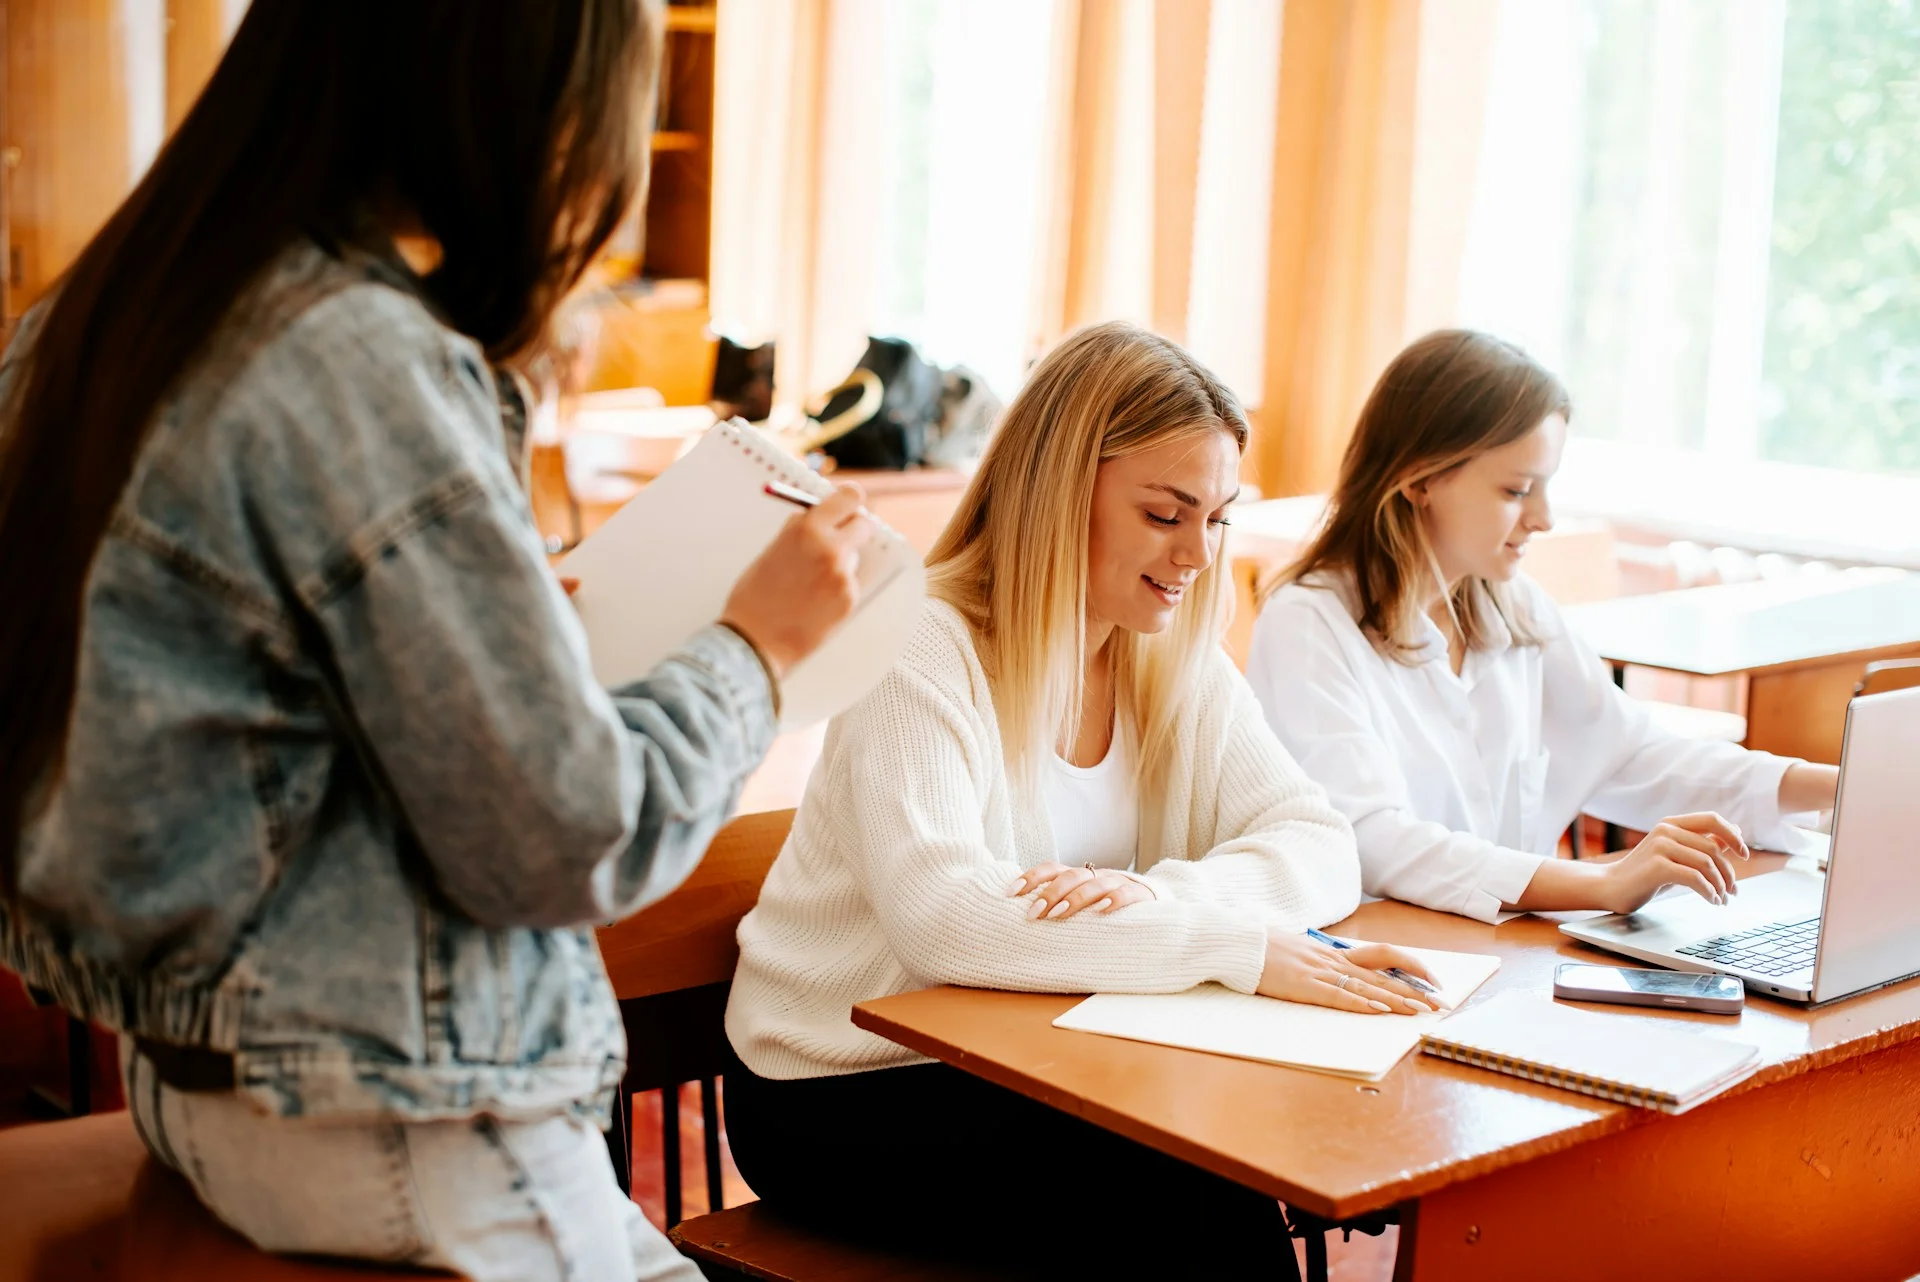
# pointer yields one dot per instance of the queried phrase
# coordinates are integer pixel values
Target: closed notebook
(1247, 1026)
(662, 567)
(1670, 1066)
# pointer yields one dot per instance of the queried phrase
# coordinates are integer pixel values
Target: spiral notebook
(1292, 1034)
(1670, 1066)
(662, 567)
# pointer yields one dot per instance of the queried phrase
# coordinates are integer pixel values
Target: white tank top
(1093, 809)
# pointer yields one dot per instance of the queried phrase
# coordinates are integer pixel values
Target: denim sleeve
(540, 799)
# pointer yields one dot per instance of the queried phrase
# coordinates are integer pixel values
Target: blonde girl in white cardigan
(1062, 786)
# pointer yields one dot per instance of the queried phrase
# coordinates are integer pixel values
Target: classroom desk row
(1811, 1168)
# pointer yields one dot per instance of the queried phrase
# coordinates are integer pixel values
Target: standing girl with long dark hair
(305, 784)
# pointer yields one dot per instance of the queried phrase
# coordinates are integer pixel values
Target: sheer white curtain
(963, 179)
(1227, 302)
(1623, 215)
(878, 168)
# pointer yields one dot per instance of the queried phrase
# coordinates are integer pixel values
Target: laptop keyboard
(1777, 948)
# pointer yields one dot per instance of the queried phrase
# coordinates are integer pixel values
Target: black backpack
(882, 416)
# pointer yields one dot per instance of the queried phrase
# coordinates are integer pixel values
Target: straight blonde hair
(1447, 398)
(1013, 560)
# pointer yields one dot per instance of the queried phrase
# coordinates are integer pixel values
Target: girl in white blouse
(1438, 696)
(1062, 786)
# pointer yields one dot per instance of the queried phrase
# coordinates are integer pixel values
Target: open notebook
(661, 569)
(1247, 1026)
(1670, 1066)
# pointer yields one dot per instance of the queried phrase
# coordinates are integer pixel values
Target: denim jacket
(340, 795)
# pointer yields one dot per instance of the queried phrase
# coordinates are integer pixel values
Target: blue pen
(1412, 981)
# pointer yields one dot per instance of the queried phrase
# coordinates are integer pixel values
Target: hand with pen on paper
(1320, 970)
(805, 584)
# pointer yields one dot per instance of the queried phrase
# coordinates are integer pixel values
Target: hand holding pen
(806, 582)
(1415, 982)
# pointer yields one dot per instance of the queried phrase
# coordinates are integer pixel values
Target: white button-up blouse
(1458, 786)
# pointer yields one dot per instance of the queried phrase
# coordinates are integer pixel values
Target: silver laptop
(1797, 934)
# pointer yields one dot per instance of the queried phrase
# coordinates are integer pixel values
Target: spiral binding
(780, 464)
(1549, 1075)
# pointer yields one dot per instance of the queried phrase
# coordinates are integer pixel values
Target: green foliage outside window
(1842, 364)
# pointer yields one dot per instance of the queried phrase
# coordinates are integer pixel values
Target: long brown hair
(1447, 398)
(1013, 560)
(513, 133)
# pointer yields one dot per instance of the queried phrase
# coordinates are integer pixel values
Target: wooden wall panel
(197, 32)
(65, 131)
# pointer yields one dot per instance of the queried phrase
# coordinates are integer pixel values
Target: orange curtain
(197, 34)
(1125, 138)
(1342, 204)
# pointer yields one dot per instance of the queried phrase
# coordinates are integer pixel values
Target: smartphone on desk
(1671, 989)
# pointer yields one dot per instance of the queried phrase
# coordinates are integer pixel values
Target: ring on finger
(1344, 981)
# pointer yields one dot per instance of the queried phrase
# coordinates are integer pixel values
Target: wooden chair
(1888, 674)
(672, 965)
(84, 1200)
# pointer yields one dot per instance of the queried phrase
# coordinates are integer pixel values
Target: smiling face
(1480, 515)
(1156, 524)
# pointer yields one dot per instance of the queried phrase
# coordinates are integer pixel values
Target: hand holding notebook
(666, 564)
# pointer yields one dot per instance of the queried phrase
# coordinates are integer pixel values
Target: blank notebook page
(1248, 1026)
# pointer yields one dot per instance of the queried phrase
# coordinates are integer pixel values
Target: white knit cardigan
(910, 833)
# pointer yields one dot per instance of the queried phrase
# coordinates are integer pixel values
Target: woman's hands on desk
(1297, 968)
(804, 585)
(1302, 969)
(1695, 851)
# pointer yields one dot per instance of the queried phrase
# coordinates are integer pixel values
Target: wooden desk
(1799, 644)
(1810, 1169)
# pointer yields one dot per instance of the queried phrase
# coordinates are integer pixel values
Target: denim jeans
(488, 1199)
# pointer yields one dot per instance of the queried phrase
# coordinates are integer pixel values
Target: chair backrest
(1889, 674)
(672, 964)
(686, 940)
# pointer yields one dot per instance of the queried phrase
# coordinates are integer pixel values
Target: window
(1706, 215)
(965, 114)
(1841, 375)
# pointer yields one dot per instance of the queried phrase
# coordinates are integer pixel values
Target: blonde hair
(1447, 398)
(1013, 560)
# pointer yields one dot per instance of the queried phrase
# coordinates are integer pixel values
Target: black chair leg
(1610, 833)
(79, 1067)
(710, 1136)
(1313, 1230)
(620, 1140)
(670, 1150)
(1316, 1241)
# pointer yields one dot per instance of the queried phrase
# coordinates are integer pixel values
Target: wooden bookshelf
(692, 19)
(651, 319)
